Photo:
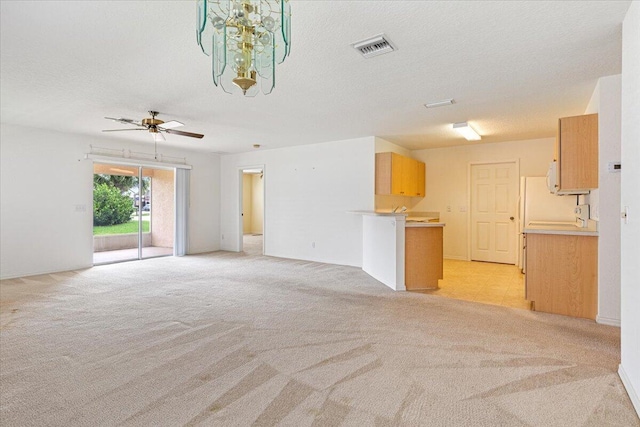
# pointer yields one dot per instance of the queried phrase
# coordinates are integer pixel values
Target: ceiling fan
(155, 126)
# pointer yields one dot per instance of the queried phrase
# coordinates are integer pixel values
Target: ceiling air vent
(374, 46)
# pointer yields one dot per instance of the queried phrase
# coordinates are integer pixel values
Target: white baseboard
(461, 258)
(630, 390)
(27, 274)
(608, 321)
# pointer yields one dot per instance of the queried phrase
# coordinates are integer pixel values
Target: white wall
(384, 146)
(308, 191)
(204, 201)
(605, 201)
(447, 181)
(630, 195)
(46, 199)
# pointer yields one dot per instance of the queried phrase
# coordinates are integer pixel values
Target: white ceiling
(512, 67)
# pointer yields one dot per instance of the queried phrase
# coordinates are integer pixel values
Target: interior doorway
(133, 213)
(494, 206)
(252, 211)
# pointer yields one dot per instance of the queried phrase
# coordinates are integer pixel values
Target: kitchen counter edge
(560, 230)
(424, 224)
(373, 213)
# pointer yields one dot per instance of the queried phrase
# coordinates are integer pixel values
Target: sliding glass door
(158, 212)
(133, 213)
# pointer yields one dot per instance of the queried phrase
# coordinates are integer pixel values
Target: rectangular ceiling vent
(374, 46)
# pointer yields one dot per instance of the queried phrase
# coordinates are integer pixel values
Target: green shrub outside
(110, 206)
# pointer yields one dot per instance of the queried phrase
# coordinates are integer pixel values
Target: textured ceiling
(512, 67)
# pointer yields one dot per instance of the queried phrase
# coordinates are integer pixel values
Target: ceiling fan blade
(171, 124)
(125, 121)
(118, 130)
(179, 132)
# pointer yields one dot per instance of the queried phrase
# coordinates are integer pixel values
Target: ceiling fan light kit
(245, 39)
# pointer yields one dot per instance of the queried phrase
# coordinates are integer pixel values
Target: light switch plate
(614, 167)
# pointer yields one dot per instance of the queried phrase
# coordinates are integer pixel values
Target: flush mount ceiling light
(467, 131)
(440, 103)
(245, 39)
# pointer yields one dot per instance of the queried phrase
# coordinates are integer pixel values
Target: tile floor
(252, 244)
(498, 284)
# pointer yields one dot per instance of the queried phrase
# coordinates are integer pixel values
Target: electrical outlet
(223, 237)
(81, 208)
(448, 208)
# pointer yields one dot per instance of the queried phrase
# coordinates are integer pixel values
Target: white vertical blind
(181, 238)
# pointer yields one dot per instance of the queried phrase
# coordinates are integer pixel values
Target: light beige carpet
(237, 340)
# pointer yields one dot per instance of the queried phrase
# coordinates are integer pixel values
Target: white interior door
(494, 199)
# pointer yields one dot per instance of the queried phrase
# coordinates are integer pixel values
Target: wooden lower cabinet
(562, 274)
(423, 257)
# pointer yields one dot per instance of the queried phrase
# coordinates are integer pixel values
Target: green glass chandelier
(245, 39)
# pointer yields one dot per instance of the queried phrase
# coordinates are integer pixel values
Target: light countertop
(376, 213)
(567, 228)
(411, 224)
(422, 219)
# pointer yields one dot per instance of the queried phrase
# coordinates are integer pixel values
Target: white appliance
(538, 204)
(552, 177)
(552, 181)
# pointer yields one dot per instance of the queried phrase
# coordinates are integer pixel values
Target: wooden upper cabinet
(577, 152)
(399, 175)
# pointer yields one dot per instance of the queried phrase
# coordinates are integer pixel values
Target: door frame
(102, 160)
(516, 161)
(240, 227)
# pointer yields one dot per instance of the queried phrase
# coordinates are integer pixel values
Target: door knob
(511, 218)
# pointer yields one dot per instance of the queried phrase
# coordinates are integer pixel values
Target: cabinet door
(397, 165)
(420, 180)
(409, 176)
(383, 173)
(423, 257)
(562, 274)
(578, 152)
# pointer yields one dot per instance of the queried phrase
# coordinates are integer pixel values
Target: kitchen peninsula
(404, 252)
